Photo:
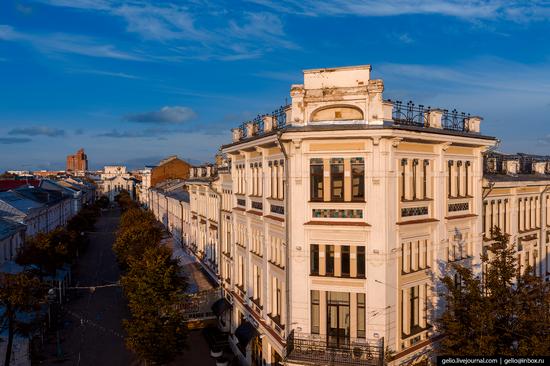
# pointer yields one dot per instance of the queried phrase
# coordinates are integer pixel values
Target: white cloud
(122, 75)
(37, 131)
(166, 115)
(466, 9)
(196, 30)
(61, 43)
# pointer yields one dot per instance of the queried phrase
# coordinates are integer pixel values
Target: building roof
(7, 184)
(8, 228)
(44, 196)
(16, 204)
(179, 194)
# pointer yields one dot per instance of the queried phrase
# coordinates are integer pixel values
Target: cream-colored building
(329, 221)
(516, 198)
(114, 179)
(346, 208)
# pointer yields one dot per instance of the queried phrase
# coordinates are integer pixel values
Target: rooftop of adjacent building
(7, 184)
(8, 228)
(19, 202)
(502, 167)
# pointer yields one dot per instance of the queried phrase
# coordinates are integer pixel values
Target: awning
(220, 306)
(245, 333)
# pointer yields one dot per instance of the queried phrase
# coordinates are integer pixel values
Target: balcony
(313, 349)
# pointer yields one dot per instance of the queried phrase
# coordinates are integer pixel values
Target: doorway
(338, 318)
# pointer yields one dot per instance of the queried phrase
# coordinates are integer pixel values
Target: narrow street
(91, 331)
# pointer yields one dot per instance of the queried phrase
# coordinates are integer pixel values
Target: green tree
(503, 313)
(19, 293)
(133, 241)
(154, 288)
(136, 217)
(125, 201)
(49, 251)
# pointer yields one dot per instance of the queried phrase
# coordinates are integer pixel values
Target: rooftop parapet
(514, 164)
(347, 96)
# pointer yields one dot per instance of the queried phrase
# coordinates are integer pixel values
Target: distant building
(77, 163)
(114, 179)
(170, 168)
(48, 173)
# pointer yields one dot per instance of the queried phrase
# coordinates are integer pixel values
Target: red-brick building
(77, 162)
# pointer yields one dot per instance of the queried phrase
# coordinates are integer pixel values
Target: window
(314, 254)
(345, 260)
(361, 321)
(337, 179)
(329, 268)
(361, 262)
(357, 179)
(315, 313)
(316, 178)
(414, 307)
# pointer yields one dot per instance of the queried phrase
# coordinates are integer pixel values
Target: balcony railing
(320, 350)
(418, 115)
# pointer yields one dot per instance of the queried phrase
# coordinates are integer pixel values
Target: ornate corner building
(328, 221)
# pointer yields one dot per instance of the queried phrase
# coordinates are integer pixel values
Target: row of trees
(152, 284)
(24, 292)
(504, 313)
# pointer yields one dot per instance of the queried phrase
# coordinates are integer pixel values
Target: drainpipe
(287, 235)
(219, 235)
(542, 224)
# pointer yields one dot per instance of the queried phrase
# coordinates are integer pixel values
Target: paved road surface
(92, 331)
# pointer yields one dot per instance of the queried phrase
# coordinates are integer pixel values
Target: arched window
(337, 113)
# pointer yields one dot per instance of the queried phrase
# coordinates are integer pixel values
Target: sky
(133, 81)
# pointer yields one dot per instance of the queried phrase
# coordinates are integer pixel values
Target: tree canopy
(154, 289)
(505, 312)
(19, 293)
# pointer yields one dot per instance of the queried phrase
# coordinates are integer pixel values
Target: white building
(115, 179)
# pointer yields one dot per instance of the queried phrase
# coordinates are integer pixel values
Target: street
(91, 331)
(91, 326)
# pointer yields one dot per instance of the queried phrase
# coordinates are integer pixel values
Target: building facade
(115, 179)
(78, 163)
(329, 221)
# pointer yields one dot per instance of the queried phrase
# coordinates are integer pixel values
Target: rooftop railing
(258, 126)
(419, 115)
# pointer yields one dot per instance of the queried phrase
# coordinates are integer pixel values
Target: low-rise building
(12, 236)
(115, 179)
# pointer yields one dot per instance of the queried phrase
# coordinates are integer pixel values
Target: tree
(49, 251)
(504, 313)
(133, 241)
(19, 293)
(125, 201)
(155, 289)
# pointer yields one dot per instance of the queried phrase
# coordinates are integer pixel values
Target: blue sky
(133, 81)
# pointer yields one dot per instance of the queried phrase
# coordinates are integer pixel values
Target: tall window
(316, 178)
(345, 260)
(357, 179)
(315, 313)
(329, 255)
(314, 254)
(361, 321)
(361, 262)
(414, 307)
(337, 179)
